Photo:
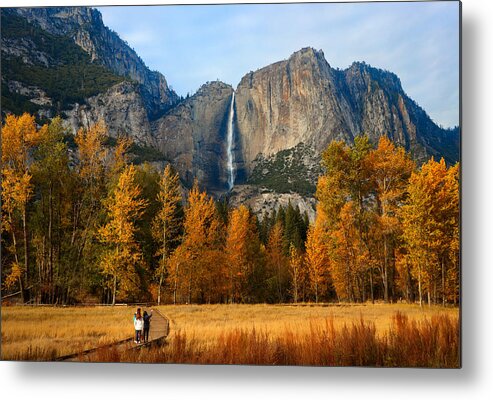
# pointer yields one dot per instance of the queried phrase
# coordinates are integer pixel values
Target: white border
(473, 381)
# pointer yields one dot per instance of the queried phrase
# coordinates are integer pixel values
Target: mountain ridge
(85, 26)
(284, 113)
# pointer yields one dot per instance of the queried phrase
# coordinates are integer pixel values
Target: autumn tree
(297, 271)
(123, 255)
(317, 255)
(390, 168)
(202, 249)
(52, 219)
(430, 218)
(167, 223)
(89, 190)
(350, 257)
(19, 136)
(242, 251)
(277, 264)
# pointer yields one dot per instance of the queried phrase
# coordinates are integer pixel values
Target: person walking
(138, 325)
(147, 325)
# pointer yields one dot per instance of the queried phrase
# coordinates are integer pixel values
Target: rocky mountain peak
(308, 53)
(284, 114)
(86, 28)
(366, 74)
(61, 20)
(212, 88)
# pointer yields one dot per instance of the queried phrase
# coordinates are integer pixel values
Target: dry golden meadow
(375, 335)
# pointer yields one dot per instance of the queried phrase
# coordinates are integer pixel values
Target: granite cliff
(193, 135)
(64, 61)
(85, 27)
(303, 100)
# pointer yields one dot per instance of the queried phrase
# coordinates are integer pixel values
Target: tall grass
(350, 335)
(431, 343)
(44, 333)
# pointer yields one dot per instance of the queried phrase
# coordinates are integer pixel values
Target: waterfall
(230, 138)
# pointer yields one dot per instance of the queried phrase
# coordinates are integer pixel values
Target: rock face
(121, 108)
(304, 100)
(193, 136)
(262, 201)
(85, 26)
(284, 114)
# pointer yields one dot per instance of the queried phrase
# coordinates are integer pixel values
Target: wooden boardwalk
(157, 334)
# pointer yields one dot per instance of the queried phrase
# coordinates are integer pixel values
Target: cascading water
(230, 139)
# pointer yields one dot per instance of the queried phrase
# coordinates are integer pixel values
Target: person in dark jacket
(147, 325)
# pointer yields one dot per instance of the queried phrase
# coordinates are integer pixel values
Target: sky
(191, 45)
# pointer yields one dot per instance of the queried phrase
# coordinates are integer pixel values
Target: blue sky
(194, 44)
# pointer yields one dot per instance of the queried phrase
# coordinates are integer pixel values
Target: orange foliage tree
(277, 264)
(430, 222)
(390, 168)
(317, 255)
(242, 251)
(202, 250)
(123, 255)
(166, 224)
(19, 136)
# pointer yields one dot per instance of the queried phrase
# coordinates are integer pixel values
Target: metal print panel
(269, 184)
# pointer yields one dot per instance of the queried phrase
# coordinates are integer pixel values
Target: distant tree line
(84, 224)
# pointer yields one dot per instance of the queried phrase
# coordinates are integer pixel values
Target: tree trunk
(159, 289)
(385, 271)
(443, 283)
(16, 257)
(113, 301)
(26, 252)
(50, 245)
(175, 290)
(371, 288)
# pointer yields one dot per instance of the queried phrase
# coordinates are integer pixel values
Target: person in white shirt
(138, 325)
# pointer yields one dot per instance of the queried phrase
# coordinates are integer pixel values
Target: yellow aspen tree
(120, 157)
(350, 257)
(202, 242)
(296, 269)
(166, 224)
(90, 189)
(91, 153)
(277, 262)
(19, 136)
(236, 249)
(317, 255)
(123, 254)
(390, 169)
(452, 275)
(422, 218)
(177, 273)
